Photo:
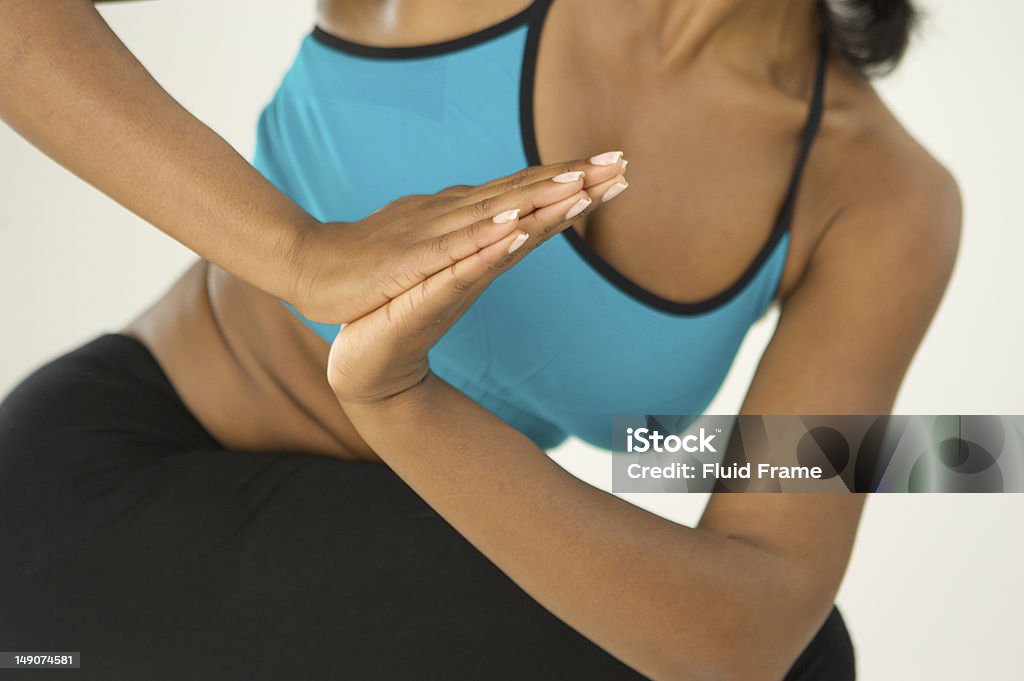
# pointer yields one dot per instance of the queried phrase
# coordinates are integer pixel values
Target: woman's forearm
(71, 88)
(672, 601)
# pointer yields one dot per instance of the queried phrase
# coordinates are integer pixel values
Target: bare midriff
(255, 376)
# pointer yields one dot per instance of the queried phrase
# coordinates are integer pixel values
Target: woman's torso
(712, 143)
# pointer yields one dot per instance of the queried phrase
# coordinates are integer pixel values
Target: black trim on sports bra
(430, 49)
(533, 16)
(602, 266)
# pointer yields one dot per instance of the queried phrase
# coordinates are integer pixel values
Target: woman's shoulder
(877, 161)
(888, 192)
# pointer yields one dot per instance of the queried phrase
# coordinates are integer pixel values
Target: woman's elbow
(759, 640)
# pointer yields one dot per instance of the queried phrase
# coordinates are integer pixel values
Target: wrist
(302, 269)
(425, 391)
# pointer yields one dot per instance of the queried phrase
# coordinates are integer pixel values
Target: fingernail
(614, 191)
(578, 208)
(624, 164)
(606, 159)
(517, 242)
(507, 216)
(565, 178)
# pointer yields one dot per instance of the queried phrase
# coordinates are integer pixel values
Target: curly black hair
(871, 34)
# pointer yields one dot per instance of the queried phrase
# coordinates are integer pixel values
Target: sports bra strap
(817, 108)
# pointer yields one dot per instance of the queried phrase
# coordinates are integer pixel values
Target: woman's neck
(767, 39)
(764, 39)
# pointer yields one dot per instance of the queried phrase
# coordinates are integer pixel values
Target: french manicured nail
(614, 191)
(577, 208)
(624, 164)
(517, 242)
(606, 159)
(565, 178)
(507, 216)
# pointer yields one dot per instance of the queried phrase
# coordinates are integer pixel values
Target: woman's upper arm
(849, 330)
(845, 338)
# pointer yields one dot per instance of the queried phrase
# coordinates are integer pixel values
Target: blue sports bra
(561, 342)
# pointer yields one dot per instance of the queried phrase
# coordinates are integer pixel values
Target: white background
(935, 587)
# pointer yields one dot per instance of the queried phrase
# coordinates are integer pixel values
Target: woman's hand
(456, 250)
(344, 271)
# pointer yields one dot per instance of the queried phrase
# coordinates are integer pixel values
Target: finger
(525, 199)
(541, 221)
(549, 220)
(432, 306)
(426, 311)
(600, 166)
(432, 255)
(596, 169)
(606, 191)
(474, 273)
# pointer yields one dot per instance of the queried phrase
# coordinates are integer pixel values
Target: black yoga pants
(130, 535)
